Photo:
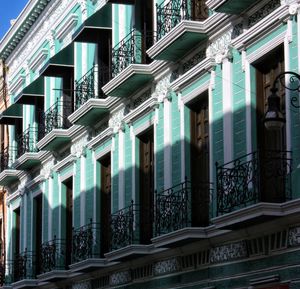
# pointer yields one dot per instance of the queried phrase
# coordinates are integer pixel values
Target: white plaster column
(82, 189)
(121, 178)
(50, 208)
(167, 143)
(95, 185)
(182, 138)
(249, 140)
(133, 160)
(227, 110)
(60, 207)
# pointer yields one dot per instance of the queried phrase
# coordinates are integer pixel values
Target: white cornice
(100, 138)
(53, 14)
(38, 59)
(16, 86)
(147, 105)
(64, 163)
(202, 67)
(67, 26)
(263, 27)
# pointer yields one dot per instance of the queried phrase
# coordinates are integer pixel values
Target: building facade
(138, 155)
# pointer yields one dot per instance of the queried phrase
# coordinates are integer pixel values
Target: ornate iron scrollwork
(122, 227)
(84, 242)
(259, 176)
(131, 49)
(53, 255)
(26, 142)
(7, 157)
(173, 12)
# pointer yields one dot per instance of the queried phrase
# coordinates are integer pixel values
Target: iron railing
(56, 117)
(131, 50)
(181, 206)
(26, 142)
(89, 85)
(85, 88)
(123, 225)
(263, 176)
(7, 157)
(85, 242)
(21, 268)
(173, 12)
(53, 255)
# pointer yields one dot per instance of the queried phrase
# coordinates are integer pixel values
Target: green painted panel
(196, 84)
(128, 166)
(89, 193)
(160, 150)
(45, 211)
(76, 194)
(115, 175)
(239, 107)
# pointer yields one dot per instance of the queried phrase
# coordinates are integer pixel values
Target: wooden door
(146, 186)
(38, 231)
(200, 161)
(199, 10)
(105, 203)
(69, 219)
(271, 145)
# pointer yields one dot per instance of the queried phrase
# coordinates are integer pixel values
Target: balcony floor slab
(54, 139)
(186, 235)
(131, 252)
(29, 160)
(26, 283)
(89, 264)
(250, 215)
(91, 112)
(54, 275)
(9, 176)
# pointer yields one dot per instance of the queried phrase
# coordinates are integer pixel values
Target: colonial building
(144, 149)
(3, 143)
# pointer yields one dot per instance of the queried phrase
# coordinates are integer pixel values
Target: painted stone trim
(229, 252)
(120, 278)
(139, 100)
(167, 266)
(47, 170)
(220, 48)
(161, 88)
(78, 149)
(82, 285)
(294, 237)
(116, 121)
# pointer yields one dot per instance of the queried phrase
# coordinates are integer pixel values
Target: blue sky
(9, 9)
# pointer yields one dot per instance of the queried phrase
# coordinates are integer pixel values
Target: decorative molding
(221, 48)
(82, 285)
(167, 266)
(229, 252)
(67, 26)
(162, 87)
(47, 170)
(16, 86)
(78, 148)
(116, 120)
(294, 237)
(36, 62)
(120, 278)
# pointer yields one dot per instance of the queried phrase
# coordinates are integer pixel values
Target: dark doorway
(38, 207)
(69, 218)
(200, 161)
(17, 232)
(105, 210)
(146, 185)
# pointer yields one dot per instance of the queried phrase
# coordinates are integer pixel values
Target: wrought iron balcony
(85, 242)
(2, 273)
(26, 142)
(56, 117)
(173, 12)
(123, 225)
(89, 85)
(263, 176)
(21, 268)
(53, 255)
(174, 207)
(7, 157)
(131, 50)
